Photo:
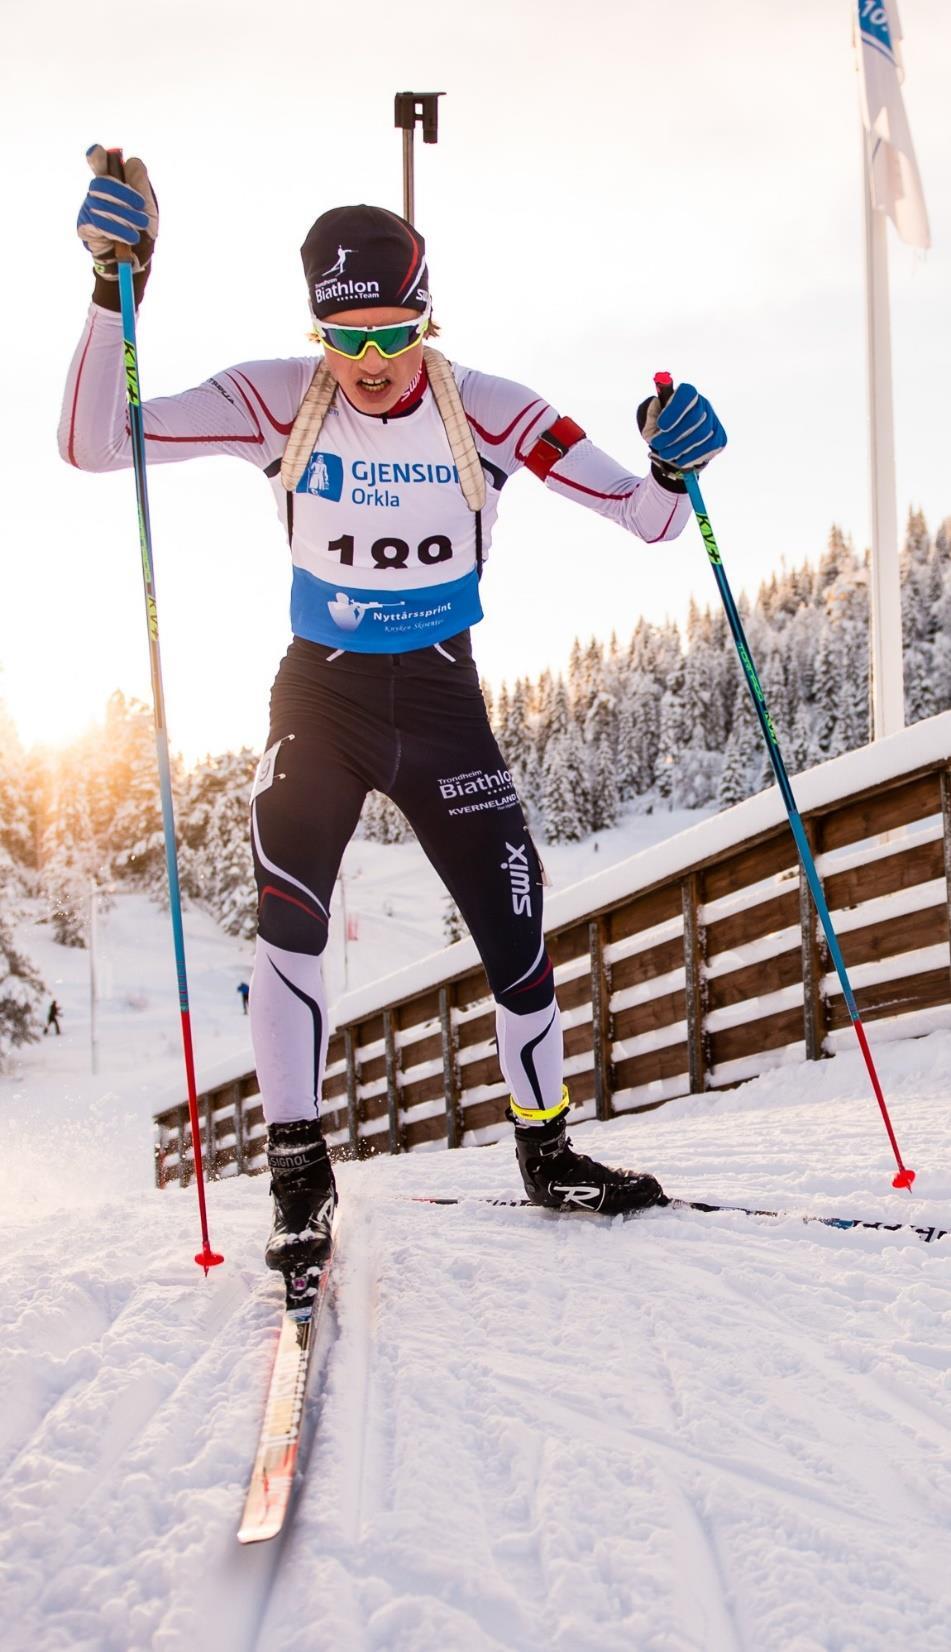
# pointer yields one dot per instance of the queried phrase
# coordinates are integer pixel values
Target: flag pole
(887, 672)
(891, 188)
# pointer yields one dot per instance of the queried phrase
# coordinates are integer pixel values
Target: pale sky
(618, 187)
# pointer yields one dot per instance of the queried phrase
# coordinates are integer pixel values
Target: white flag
(895, 184)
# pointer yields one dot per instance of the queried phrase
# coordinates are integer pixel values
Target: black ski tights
(413, 726)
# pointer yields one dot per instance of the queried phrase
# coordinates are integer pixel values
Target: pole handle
(664, 386)
(115, 168)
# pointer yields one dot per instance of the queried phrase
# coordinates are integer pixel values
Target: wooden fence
(690, 967)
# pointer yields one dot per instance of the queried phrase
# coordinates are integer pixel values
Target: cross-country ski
(276, 1461)
(844, 1223)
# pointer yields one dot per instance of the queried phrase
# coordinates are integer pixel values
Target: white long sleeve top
(384, 546)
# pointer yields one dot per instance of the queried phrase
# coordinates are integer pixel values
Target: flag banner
(895, 184)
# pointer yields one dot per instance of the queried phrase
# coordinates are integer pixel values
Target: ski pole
(665, 387)
(206, 1257)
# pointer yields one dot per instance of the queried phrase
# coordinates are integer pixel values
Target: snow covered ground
(679, 1432)
(683, 1433)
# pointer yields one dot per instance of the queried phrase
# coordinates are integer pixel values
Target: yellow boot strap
(540, 1115)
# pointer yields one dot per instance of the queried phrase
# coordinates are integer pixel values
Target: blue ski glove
(683, 434)
(116, 211)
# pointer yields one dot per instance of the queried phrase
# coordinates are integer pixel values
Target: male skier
(387, 465)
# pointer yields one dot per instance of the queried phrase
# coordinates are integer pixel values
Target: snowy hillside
(680, 1434)
(683, 1433)
(392, 902)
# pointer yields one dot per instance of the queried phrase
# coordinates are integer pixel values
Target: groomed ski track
(685, 1433)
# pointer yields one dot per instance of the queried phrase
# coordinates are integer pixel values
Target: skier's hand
(116, 211)
(683, 433)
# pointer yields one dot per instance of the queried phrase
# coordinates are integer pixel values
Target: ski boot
(560, 1179)
(305, 1197)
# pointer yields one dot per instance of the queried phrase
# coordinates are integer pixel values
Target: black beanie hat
(361, 255)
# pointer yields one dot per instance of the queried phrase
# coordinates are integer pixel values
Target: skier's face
(375, 384)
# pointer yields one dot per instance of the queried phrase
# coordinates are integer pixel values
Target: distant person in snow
(386, 464)
(244, 990)
(52, 1018)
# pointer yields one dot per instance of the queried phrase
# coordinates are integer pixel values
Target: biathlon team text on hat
(362, 255)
